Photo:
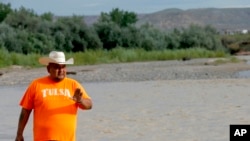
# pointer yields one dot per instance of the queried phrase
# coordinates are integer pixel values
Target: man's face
(57, 71)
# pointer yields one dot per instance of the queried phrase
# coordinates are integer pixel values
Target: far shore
(204, 68)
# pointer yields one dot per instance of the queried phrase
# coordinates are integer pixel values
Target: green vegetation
(116, 55)
(12, 58)
(114, 38)
(236, 43)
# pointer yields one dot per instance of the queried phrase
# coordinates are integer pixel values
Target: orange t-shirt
(54, 110)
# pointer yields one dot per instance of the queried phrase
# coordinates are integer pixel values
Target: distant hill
(220, 18)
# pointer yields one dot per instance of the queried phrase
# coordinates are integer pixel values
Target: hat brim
(47, 60)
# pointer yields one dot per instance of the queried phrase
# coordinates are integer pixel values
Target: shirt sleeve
(27, 100)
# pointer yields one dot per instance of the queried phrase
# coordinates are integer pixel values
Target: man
(55, 100)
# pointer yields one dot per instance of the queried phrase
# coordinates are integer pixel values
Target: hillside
(220, 18)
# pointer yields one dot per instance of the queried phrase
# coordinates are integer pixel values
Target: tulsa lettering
(56, 92)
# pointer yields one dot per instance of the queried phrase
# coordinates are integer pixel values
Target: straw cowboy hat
(57, 57)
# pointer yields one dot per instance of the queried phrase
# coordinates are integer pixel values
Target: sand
(188, 109)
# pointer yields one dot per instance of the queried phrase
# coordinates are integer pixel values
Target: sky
(95, 7)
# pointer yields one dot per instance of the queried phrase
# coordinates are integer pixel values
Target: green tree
(117, 28)
(120, 17)
(72, 34)
(11, 39)
(197, 36)
(130, 37)
(47, 16)
(109, 34)
(5, 9)
(173, 39)
(23, 19)
(32, 33)
(152, 38)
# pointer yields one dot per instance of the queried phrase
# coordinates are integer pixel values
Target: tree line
(24, 31)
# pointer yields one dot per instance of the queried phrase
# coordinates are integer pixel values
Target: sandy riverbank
(133, 72)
